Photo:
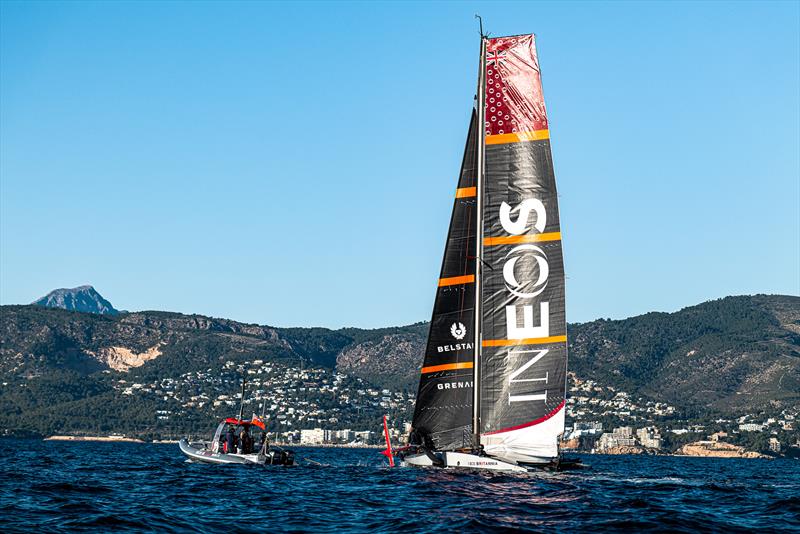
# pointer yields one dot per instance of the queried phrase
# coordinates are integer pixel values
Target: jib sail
(523, 354)
(443, 412)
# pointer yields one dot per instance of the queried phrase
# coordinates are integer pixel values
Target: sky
(294, 164)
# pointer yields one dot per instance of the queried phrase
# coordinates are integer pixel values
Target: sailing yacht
(493, 384)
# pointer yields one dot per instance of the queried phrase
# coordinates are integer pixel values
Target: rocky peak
(82, 298)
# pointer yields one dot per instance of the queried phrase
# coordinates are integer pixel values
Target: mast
(241, 404)
(476, 407)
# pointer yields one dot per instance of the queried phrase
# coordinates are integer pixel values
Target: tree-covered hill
(726, 356)
(59, 369)
(34, 339)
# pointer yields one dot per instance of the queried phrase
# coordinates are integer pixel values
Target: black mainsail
(524, 339)
(507, 180)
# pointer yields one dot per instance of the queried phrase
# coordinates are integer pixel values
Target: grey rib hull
(204, 455)
(201, 453)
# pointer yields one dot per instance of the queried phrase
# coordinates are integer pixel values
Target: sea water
(132, 486)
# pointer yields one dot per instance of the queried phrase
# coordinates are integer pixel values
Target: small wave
(790, 504)
(67, 487)
(153, 488)
(108, 521)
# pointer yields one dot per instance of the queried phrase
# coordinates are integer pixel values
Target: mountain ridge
(725, 357)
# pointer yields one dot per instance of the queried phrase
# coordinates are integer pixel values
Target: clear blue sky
(294, 164)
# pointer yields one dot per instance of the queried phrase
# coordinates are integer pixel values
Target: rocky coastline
(716, 449)
(95, 438)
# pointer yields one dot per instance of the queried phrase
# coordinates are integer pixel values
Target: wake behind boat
(493, 383)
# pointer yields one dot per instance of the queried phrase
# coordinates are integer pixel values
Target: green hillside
(65, 371)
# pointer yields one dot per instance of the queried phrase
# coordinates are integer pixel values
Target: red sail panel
(523, 354)
(514, 99)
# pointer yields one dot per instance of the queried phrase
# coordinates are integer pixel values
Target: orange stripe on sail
(517, 137)
(446, 367)
(516, 239)
(453, 280)
(464, 192)
(526, 341)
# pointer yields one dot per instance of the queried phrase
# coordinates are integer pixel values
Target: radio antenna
(480, 22)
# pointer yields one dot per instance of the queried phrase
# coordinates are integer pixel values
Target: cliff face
(716, 449)
(122, 359)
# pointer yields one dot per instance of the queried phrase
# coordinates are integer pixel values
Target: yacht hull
(460, 460)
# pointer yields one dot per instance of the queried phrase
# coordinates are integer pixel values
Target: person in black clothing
(244, 441)
(424, 441)
(230, 441)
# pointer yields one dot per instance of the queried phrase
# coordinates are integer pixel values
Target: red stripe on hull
(532, 423)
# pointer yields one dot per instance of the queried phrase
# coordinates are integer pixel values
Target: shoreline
(124, 439)
(121, 439)
(328, 445)
(744, 455)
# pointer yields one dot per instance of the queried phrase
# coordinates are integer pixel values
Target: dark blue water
(130, 486)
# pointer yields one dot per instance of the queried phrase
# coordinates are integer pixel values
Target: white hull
(460, 460)
(204, 455)
(201, 453)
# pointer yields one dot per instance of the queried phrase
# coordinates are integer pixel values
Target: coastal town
(318, 406)
(648, 427)
(300, 405)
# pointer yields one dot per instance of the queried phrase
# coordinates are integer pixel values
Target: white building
(649, 437)
(314, 436)
(621, 437)
(624, 431)
(751, 427)
(592, 426)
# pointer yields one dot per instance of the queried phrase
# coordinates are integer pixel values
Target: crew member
(230, 441)
(245, 441)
